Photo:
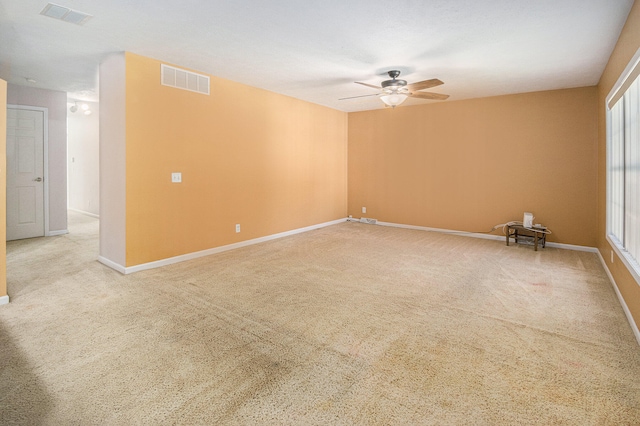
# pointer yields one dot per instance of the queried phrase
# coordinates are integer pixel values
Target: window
(623, 167)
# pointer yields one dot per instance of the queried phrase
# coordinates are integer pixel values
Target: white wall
(113, 161)
(83, 159)
(56, 102)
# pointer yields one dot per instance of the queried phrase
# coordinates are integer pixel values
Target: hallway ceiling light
(84, 107)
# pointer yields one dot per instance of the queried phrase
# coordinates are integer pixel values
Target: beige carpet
(351, 324)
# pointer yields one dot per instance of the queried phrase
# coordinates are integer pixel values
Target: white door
(25, 174)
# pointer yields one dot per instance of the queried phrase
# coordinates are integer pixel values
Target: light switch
(176, 177)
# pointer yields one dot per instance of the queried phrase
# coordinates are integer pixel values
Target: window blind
(623, 166)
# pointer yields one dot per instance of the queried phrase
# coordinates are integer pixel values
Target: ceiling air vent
(183, 79)
(65, 14)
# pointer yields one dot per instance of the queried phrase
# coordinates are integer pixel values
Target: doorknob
(38, 179)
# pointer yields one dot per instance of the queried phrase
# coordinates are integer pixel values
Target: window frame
(623, 83)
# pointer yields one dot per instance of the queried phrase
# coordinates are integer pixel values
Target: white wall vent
(183, 79)
(65, 14)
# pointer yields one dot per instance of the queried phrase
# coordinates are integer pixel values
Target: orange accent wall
(247, 156)
(3, 187)
(627, 45)
(469, 165)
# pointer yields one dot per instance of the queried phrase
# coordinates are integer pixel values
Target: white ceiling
(315, 50)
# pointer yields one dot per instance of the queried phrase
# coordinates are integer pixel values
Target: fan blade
(361, 96)
(428, 95)
(426, 84)
(368, 85)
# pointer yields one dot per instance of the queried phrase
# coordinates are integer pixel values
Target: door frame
(45, 155)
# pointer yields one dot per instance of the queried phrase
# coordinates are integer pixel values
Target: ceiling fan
(394, 92)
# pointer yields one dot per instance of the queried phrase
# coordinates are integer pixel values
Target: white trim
(625, 308)
(4, 300)
(46, 172)
(572, 247)
(631, 66)
(83, 212)
(625, 257)
(608, 150)
(215, 250)
(481, 236)
(443, 231)
(112, 265)
(60, 232)
(45, 155)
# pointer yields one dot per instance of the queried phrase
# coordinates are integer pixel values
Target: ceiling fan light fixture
(394, 92)
(393, 99)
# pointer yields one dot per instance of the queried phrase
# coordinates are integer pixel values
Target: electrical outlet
(176, 177)
(364, 210)
(237, 228)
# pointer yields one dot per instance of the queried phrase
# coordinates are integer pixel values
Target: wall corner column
(113, 161)
(4, 297)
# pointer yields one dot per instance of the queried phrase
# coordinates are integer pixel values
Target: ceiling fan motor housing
(393, 84)
(390, 84)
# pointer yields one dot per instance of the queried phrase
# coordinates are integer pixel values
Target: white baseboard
(625, 308)
(573, 247)
(60, 232)
(215, 250)
(112, 264)
(4, 300)
(83, 212)
(482, 236)
(443, 231)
